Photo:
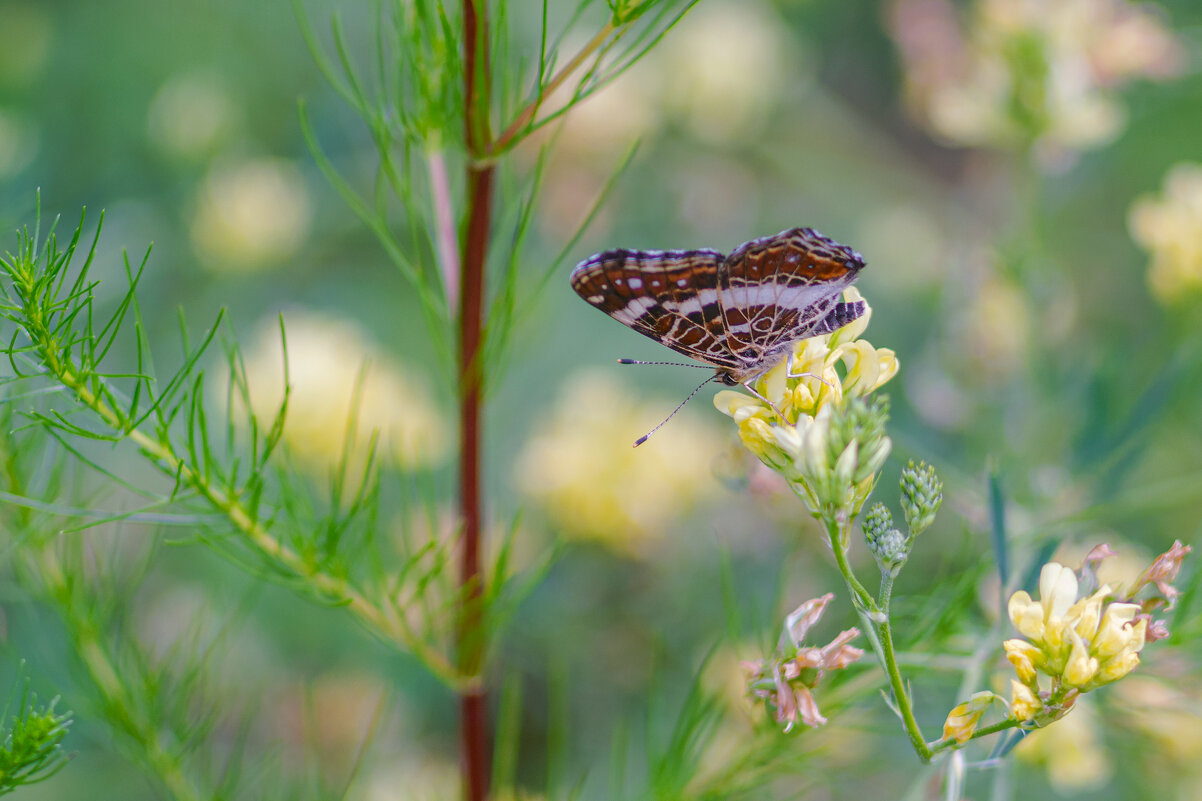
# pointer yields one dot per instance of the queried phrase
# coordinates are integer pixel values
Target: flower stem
(900, 696)
(860, 595)
(876, 617)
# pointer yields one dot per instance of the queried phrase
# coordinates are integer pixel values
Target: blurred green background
(1040, 285)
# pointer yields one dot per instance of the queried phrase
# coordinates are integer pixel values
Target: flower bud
(842, 448)
(963, 719)
(876, 523)
(888, 546)
(1024, 702)
(892, 551)
(1025, 657)
(921, 495)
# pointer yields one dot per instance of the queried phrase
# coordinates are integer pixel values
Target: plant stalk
(473, 717)
(876, 617)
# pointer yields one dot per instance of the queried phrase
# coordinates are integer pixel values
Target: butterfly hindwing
(779, 289)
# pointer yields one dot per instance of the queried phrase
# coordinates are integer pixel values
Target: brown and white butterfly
(740, 314)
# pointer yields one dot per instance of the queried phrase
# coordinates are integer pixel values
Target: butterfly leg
(747, 385)
(790, 374)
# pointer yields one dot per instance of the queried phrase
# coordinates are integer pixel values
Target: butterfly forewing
(670, 296)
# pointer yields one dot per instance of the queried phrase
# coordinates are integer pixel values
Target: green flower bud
(876, 523)
(892, 549)
(841, 450)
(921, 494)
(888, 545)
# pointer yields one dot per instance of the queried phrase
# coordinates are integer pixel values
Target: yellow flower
(1169, 227)
(817, 360)
(963, 719)
(1043, 620)
(1025, 657)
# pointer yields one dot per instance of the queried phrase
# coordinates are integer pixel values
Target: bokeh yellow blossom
(1166, 708)
(725, 66)
(1018, 73)
(335, 371)
(190, 115)
(1169, 227)
(581, 469)
(250, 215)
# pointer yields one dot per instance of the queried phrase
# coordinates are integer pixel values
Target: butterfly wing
(778, 289)
(670, 296)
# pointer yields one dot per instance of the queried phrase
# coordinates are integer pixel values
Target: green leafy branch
(58, 338)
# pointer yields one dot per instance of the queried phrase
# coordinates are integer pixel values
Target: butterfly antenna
(647, 436)
(669, 364)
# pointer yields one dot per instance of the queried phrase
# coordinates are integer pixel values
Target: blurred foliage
(1040, 334)
(33, 734)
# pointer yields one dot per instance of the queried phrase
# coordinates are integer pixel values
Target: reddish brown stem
(473, 718)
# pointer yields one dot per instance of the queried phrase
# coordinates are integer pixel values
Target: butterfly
(740, 313)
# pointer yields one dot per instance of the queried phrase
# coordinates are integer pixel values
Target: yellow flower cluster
(1170, 229)
(791, 433)
(1080, 644)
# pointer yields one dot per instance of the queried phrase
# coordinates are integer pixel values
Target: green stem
(861, 596)
(900, 696)
(885, 594)
(876, 618)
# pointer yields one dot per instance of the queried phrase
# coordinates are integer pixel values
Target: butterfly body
(739, 313)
